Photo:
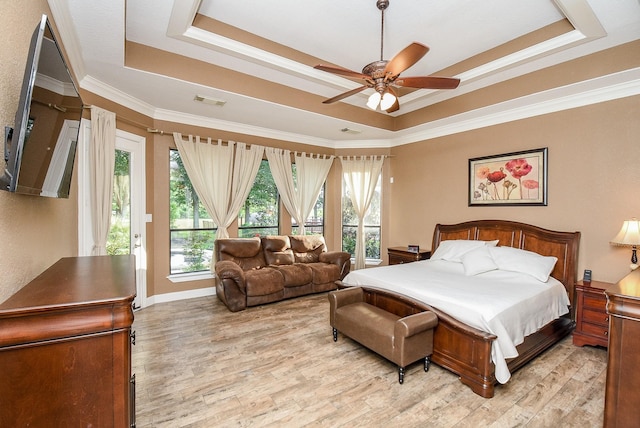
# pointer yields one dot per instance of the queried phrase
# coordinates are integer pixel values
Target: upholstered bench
(401, 340)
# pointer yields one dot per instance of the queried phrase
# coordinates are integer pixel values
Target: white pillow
(478, 261)
(528, 262)
(452, 250)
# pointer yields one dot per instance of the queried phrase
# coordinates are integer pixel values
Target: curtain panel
(102, 154)
(361, 177)
(222, 175)
(298, 195)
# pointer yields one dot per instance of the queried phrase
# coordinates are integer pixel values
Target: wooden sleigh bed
(466, 350)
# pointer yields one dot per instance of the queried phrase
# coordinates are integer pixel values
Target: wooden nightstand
(592, 320)
(398, 255)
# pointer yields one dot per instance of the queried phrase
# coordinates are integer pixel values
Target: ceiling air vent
(207, 100)
(350, 131)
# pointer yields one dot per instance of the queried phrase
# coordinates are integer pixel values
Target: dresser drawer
(595, 317)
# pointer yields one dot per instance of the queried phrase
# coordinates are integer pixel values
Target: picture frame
(509, 179)
(413, 248)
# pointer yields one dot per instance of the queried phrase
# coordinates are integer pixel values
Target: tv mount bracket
(8, 133)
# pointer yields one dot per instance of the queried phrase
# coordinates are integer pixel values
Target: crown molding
(109, 92)
(606, 88)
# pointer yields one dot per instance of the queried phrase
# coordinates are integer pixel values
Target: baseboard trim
(180, 295)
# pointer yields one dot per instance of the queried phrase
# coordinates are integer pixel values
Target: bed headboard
(563, 245)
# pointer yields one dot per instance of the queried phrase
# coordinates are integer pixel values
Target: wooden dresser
(621, 406)
(398, 255)
(592, 320)
(65, 346)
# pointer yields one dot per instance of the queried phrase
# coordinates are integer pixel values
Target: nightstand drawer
(396, 260)
(595, 317)
(595, 301)
(595, 330)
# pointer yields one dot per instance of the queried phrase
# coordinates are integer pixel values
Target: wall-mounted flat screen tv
(40, 147)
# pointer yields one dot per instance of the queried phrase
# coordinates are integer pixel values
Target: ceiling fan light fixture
(387, 101)
(382, 76)
(374, 100)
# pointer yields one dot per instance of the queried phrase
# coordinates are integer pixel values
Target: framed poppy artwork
(518, 178)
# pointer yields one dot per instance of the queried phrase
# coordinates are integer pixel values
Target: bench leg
(335, 335)
(400, 374)
(427, 362)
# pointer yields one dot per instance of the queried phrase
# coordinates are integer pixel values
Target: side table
(592, 320)
(399, 255)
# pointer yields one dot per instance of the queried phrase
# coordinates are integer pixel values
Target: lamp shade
(387, 101)
(629, 235)
(374, 100)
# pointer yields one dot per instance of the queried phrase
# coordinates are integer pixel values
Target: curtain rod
(122, 119)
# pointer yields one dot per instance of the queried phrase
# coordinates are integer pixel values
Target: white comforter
(510, 305)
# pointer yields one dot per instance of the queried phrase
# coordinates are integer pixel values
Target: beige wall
(34, 232)
(594, 156)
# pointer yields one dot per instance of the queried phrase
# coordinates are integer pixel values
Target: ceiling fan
(383, 75)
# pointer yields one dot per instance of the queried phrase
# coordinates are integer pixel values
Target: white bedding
(510, 305)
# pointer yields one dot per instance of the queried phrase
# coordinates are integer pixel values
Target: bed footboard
(461, 349)
(464, 350)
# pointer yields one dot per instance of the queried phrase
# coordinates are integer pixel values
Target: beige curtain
(102, 155)
(222, 175)
(361, 177)
(300, 195)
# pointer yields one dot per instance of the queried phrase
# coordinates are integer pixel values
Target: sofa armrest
(227, 269)
(414, 324)
(340, 258)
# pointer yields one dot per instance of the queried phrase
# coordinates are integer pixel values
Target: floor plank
(199, 365)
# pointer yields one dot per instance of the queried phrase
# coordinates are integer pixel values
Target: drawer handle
(606, 319)
(606, 333)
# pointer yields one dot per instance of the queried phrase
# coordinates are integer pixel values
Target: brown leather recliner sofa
(255, 271)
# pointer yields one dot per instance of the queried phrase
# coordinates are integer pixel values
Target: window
(191, 229)
(314, 225)
(371, 224)
(260, 214)
(119, 239)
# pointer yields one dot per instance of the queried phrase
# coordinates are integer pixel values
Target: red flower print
(518, 167)
(496, 176)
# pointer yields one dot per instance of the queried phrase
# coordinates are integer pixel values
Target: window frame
(277, 207)
(343, 198)
(204, 271)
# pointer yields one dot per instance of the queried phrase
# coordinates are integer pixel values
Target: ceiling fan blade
(428, 82)
(396, 105)
(406, 58)
(345, 95)
(341, 71)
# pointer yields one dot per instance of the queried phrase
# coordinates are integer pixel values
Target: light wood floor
(199, 365)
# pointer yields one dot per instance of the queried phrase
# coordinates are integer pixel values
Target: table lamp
(629, 236)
